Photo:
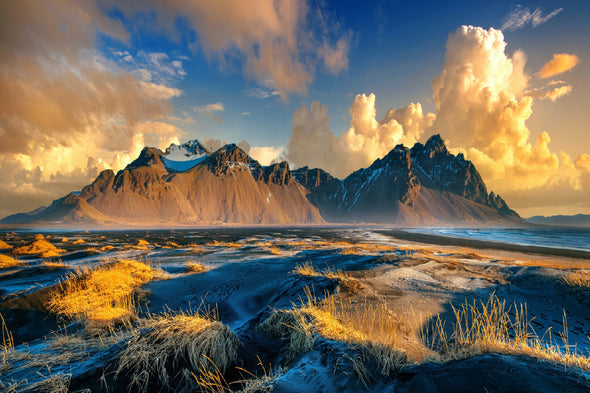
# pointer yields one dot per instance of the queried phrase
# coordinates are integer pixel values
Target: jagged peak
(436, 144)
(149, 156)
(187, 150)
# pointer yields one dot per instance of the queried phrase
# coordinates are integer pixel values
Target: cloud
(552, 94)
(266, 155)
(522, 16)
(561, 62)
(246, 113)
(261, 93)
(66, 110)
(335, 57)
(210, 109)
(281, 41)
(313, 143)
(482, 99)
(159, 92)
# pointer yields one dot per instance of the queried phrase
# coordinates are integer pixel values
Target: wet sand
(482, 244)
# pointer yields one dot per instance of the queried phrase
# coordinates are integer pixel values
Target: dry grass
(53, 383)
(38, 246)
(346, 282)
(79, 241)
(102, 296)
(579, 279)
(7, 346)
(195, 267)
(107, 248)
(494, 327)
(4, 245)
(211, 380)
(224, 244)
(8, 261)
(171, 348)
(59, 264)
(369, 325)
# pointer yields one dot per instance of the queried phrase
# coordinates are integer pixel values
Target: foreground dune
(314, 310)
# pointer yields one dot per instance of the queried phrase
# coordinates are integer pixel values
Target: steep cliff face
(425, 185)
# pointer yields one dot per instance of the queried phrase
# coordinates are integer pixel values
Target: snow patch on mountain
(180, 158)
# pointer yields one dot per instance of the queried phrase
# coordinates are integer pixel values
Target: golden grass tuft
(107, 248)
(59, 264)
(79, 241)
(194, 267)
(38, 246)
(494, 327)
(7, 345)
(171, 348)
(579, 279)
(8, 261)
(346, 282)
(371, 326)
(216, 243)
(4, 245)
(102, 296)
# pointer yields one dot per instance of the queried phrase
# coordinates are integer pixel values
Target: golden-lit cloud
(313, 143)
(560, 63)
(483, 99)
(552, 94)
(66, 111)
(266, 155)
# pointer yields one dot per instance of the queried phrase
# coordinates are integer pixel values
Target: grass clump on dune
(8, 261)
(345, 281)
(39, 246)
(372, 327)
(171, 348)
(102, 296)
(195, 267)
(579, 279)
(492, 327)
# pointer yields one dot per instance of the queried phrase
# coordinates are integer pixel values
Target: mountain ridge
(189, 184)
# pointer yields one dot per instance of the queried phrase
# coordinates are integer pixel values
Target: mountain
(188, 184)
(424, 185)
(578, 220)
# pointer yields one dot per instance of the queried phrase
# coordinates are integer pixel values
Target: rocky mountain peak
(230, 158)
(148, 157)
(278, 173)
(312, 178)
(186, 150)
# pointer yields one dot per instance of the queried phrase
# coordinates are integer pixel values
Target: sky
(84, 86)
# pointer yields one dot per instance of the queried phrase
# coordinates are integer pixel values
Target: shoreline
(482, 244)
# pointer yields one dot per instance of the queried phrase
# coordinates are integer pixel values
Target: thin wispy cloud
(261, 93)
(522, 16)
(210, 109)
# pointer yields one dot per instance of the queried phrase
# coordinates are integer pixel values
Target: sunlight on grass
(349, 284)
(494, 327)
(102, 296)
(369, 325)
(7, 261)
(194, 267)
(579, 279)
(170, 348)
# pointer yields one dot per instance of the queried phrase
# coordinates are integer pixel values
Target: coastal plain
(285, 309)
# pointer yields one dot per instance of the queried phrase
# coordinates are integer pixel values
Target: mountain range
(578, 220)
(189, 184)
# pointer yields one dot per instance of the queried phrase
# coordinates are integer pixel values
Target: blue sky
(334, 84)
(396, 49)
